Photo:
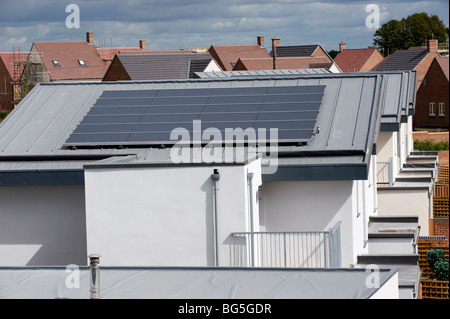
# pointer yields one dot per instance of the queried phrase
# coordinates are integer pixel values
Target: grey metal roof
(226, 74)
(157, 66)
(191, 283)
(346, 126)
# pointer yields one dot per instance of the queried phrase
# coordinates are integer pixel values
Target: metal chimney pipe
(94, 260)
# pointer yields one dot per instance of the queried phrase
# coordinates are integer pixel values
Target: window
(432, 111)
(56, 63)
(81, 62)
(441, 109)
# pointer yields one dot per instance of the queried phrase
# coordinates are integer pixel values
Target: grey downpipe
(215, 177)
(252, 246)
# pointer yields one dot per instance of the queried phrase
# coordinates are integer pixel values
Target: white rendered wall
(387, 147)
(389, 290)
(164, 216)
(42, 226)
(318, 206)
(405, 202)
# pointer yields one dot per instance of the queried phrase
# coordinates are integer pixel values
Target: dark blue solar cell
(149, 116)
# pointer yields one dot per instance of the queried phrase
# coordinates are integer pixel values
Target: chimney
(90, 37)
(142, 44)
(275, 44)
(260, 41)
(341, 46)
(432, 45)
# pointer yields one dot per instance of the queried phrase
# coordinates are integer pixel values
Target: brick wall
(423, 67)
(374, 59)
(434, 88)
(5, 88)
(441, 227)
(116, 72)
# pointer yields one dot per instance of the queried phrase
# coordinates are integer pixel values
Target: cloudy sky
(175, 24)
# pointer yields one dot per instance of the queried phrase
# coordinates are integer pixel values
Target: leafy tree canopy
(414, 30)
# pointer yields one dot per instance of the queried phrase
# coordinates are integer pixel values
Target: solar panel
(136, 117)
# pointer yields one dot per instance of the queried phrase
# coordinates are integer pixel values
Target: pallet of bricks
(432, 288)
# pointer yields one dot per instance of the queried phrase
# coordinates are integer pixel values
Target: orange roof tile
(9, 58)
(443, 63)
(353, 60)
(227, 55)
(68, 54)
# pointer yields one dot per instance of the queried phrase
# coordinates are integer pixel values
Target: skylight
(56, 63)
(81, 62)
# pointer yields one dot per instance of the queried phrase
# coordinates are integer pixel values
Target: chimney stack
(90, 37)
(275, 44)
(142, 44)
(341, 46)
(260, 41)
(432, 45)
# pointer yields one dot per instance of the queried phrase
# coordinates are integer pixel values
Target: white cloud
(174, 24)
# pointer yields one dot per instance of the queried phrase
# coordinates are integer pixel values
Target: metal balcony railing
(385, 173)
(317, 249)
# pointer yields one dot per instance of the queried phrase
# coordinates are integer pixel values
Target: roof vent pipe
(215, 177)
(94, 261)
(252, 230)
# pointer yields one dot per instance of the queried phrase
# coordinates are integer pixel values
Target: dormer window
(56, 63)
(81, 62)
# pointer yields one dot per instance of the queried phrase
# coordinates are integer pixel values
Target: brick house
(227, 56)
(63, 61)
(415, 58)
(357, 60)
(285, 63)
(10, 71)
(159, 66)
(432, 106)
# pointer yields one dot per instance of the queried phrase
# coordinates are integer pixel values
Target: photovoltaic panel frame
(148, 117)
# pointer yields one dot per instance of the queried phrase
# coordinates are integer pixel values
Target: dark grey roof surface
(402, 60)
(295, 50)
(192, 283)
(158, 66)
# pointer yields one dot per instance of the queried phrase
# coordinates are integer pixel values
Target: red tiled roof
(227, 55)
(68, 54)
(282, 63)
(443, 63)
(9, 58)
(353, 60)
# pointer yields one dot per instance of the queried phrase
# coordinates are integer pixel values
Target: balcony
(385, 174)
(301, 249)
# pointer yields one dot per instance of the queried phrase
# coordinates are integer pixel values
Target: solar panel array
(147, 117)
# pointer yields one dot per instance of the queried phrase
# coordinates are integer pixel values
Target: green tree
(411, 31)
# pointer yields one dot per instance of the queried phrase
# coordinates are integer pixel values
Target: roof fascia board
(317, 173)
(42, 178)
